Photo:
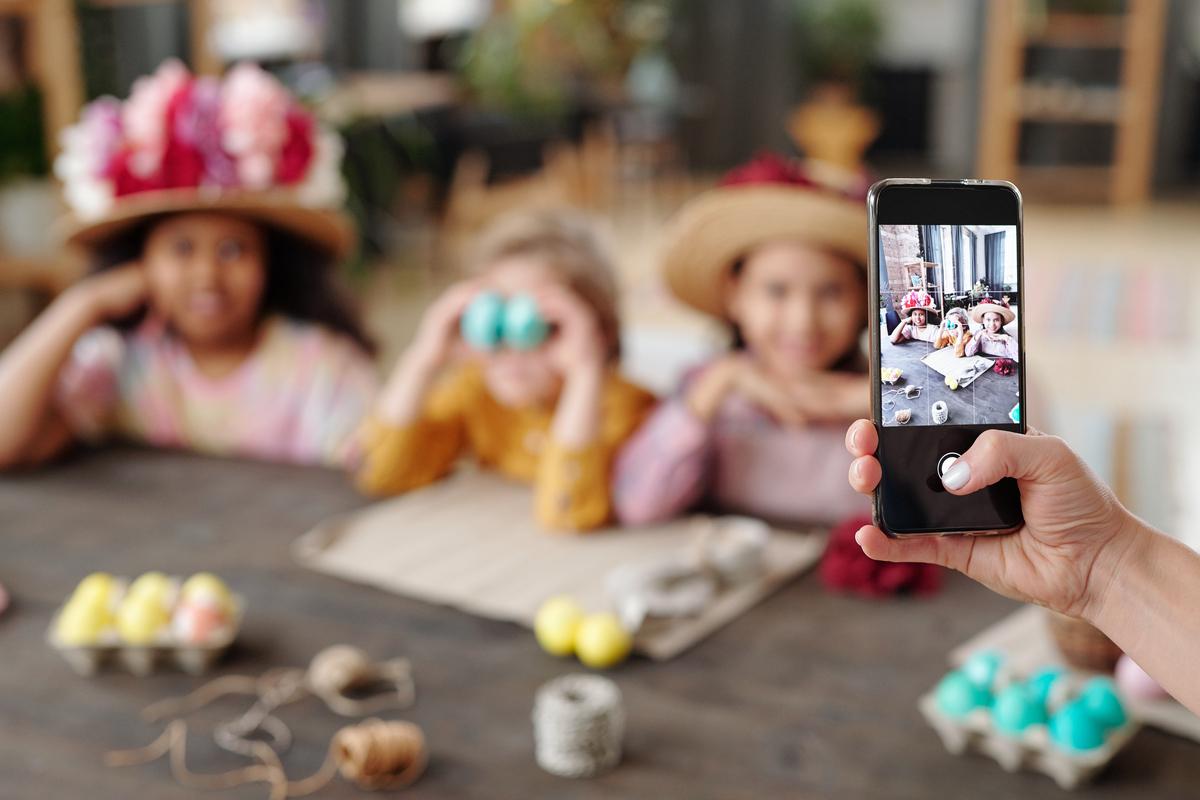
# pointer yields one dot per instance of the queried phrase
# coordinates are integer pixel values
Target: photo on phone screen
(948, 325)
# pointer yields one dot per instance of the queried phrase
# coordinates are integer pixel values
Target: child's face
(799, 309)
(206, 274)
(518, 378)
(992, 322)
(918, 317)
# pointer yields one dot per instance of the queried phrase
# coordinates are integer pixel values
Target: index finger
(861, 438)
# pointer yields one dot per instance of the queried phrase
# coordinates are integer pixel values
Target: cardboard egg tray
(141, 660)
(1032, 750)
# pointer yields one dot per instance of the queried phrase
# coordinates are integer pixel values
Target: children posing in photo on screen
(210, 321)
(529, 387)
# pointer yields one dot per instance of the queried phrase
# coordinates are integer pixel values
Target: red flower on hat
(845, 567)
(769, 168)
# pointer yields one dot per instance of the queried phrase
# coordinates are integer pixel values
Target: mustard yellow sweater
(571, 486)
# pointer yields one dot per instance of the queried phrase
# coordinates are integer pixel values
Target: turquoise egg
(1099, 696)
(1016, 708)
(1041, 681)
(981, 668)
(482, 324)
(1073, 728)
(524, 326)
(956, 695)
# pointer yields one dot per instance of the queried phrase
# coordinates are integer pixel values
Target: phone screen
(947, 345)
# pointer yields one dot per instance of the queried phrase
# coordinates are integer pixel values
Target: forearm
(29, 371)
(403, 397)
(1149, 604)
(662, 470)
(577, 416)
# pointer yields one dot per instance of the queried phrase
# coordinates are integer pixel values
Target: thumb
(1002, 454)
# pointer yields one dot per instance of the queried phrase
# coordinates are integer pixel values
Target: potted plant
(29, 201)
(836, 42)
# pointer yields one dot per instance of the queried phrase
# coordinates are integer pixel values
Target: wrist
(1120, 561)
(709, 390)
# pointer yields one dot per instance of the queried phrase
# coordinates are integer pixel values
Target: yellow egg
(601, 641)
(206, 587)
(952, 383)
(95, 588)
(556, 623)
(81, 622)
(151, 586)
(139, 619)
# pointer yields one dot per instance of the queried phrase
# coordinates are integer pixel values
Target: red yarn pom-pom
(846, 568)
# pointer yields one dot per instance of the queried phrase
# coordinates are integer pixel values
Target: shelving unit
(1127, 109)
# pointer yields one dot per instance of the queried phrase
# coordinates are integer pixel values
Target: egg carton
(165, 652)
(1032, 750)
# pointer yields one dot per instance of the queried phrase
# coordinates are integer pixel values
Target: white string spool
(940, 412)
(578, 725)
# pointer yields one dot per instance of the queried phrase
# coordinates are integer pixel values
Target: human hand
(1074, 538)
(437, 337)
(111, 294)
(576, 344)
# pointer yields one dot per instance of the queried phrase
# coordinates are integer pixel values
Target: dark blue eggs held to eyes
(491, 320)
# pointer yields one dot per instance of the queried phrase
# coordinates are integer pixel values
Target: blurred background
(456, 110)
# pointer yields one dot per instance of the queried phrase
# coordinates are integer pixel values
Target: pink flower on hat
(144, 116)
(176, 131)
(254, 123)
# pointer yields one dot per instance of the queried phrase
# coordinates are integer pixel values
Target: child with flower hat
(915, 325)
(780, 258)
(210, 321)
(992, 340)
(543, 404)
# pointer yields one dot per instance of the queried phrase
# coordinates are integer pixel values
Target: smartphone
(947, 335)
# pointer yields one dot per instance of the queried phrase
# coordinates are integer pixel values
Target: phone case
(874, 330)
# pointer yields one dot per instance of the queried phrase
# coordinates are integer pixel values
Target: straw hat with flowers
(769, 199)
(989, 306)
(241, 145)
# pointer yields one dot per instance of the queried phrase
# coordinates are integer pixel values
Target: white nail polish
(957, 476)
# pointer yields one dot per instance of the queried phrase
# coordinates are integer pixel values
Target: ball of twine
(578, 724)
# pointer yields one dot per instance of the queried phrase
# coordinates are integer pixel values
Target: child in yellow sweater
(518, 365)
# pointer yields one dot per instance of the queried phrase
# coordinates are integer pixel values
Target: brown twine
(332, 672)
(374, 754)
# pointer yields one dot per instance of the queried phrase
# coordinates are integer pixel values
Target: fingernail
(957, 476)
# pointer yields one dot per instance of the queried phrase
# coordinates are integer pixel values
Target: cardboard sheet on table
(964, 370)
(471, 542)
(1025, 638)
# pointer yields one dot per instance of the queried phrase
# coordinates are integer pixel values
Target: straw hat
(240, 145)
(770, 199)
(987, 305)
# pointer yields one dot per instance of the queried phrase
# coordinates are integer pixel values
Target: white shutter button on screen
(946, 462)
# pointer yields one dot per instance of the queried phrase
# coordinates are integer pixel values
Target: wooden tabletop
(809, 695)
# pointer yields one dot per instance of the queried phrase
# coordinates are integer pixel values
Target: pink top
(297, 398)
(983, 343)
(928, 333)
(743, 461)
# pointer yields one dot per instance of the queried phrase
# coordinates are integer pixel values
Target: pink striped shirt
(297, 398)
(742, 461)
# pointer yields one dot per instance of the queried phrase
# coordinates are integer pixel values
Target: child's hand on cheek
(114, 293)
(577, 344)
